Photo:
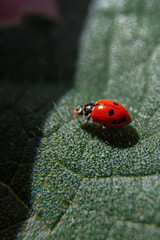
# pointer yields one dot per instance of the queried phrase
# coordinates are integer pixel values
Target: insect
(105, 112)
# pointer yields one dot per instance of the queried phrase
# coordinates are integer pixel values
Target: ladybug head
(83, 110)
(78, 110)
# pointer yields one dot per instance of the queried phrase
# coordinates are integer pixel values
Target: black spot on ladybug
(115, 103)
(123, 119)
(113, 121)
(111, 112)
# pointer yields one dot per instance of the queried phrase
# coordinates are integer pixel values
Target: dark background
(37, 66)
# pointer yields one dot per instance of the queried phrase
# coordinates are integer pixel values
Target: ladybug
(105, 112)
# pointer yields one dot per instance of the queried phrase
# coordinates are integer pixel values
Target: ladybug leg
(105, 134)
(87, 119)
(96, 124)
(104, 127)
(96, 128)
(101, 129)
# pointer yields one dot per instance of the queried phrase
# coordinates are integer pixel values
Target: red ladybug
(105, 112)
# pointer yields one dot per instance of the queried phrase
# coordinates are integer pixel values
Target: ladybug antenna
(75, 113)
(72, 106)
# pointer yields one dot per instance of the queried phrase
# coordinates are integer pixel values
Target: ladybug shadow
(121, 137)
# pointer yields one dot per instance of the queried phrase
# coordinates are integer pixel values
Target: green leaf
(89, 183)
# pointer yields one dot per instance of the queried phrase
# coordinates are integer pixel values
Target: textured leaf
(90, 183)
